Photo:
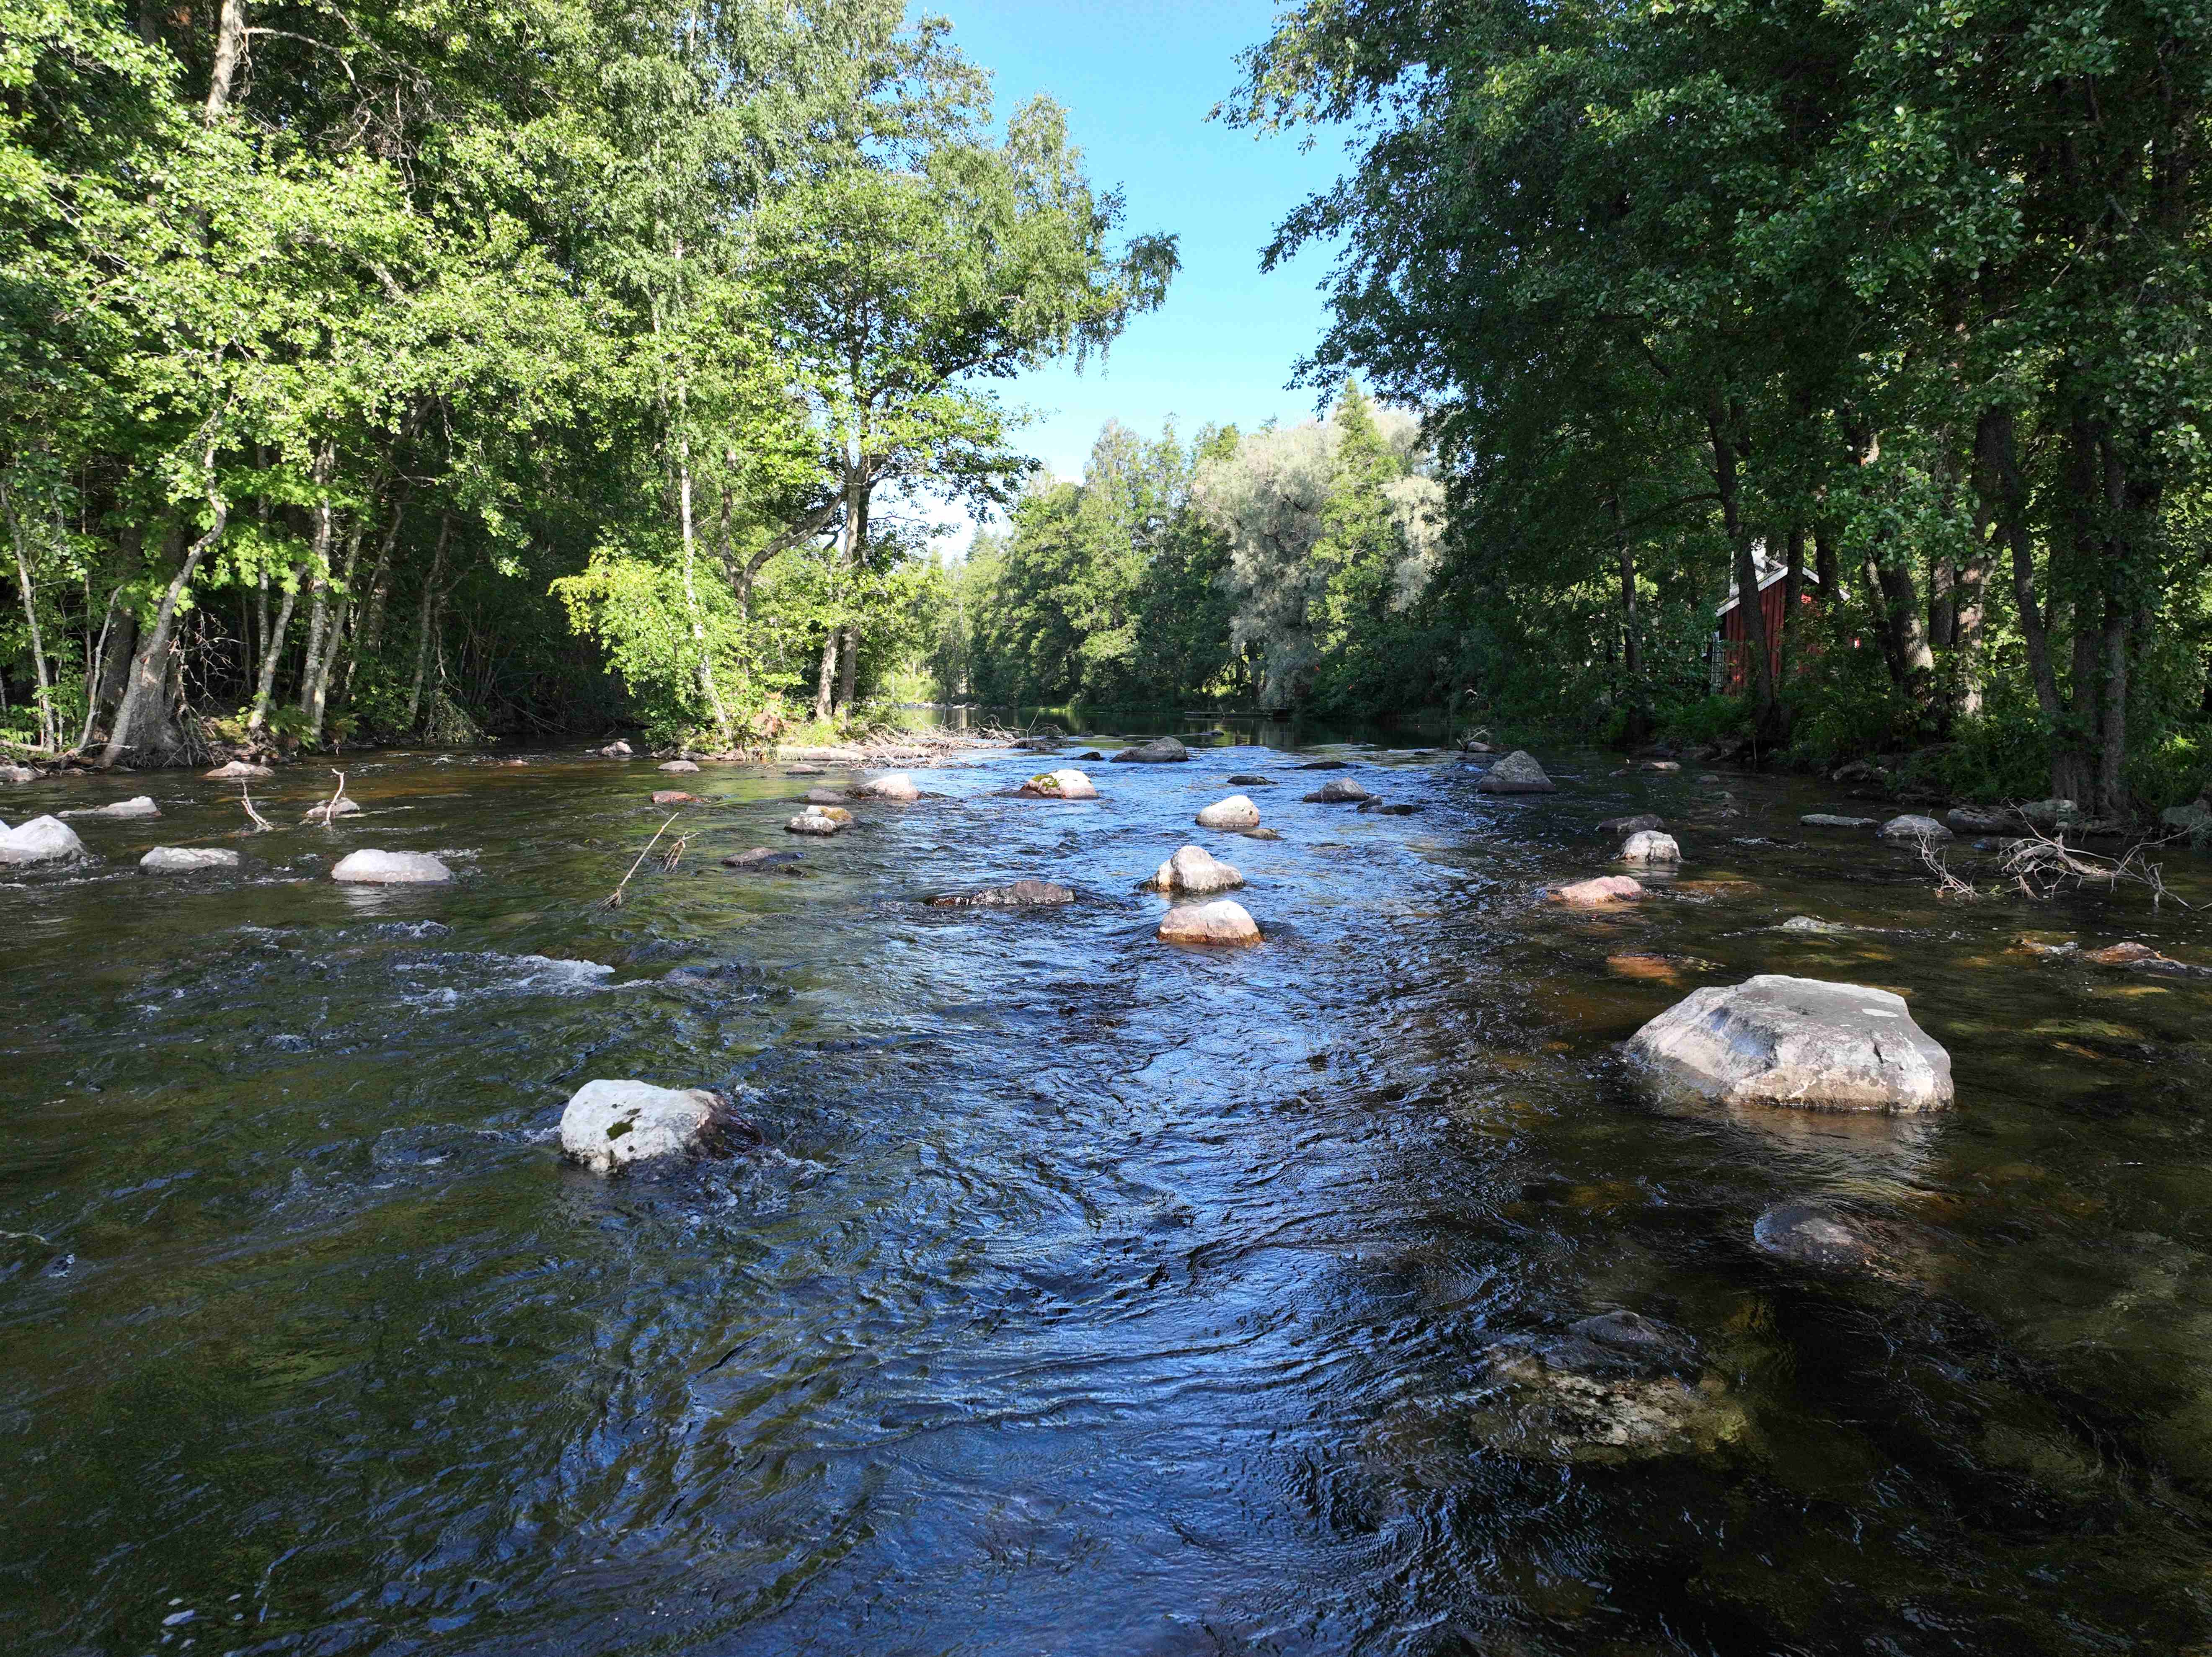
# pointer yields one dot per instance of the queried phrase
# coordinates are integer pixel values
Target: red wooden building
(1731, 649)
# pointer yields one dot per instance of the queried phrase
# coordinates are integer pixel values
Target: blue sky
(1137, 78)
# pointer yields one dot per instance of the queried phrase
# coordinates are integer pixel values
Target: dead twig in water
(670, 857)
(2043, 865)
(613, 900)
(1949, 888)
(261, 824)
(331, 809)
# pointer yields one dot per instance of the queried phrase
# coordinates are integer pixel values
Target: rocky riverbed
(1071, 1288)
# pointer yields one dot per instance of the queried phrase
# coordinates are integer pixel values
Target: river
(1089, 1295)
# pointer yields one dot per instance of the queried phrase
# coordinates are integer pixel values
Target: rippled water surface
(1090, 1295)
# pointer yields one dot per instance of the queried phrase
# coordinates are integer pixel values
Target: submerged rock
(1066, 783)
(1236, 813)
(1600, 893)
(1516, 773)
(822, 797)
(1222, 922)
(819, 820)
(187, 859)
(673, 796)
(1648, 846)
(1615, 1388)
(893, 786)
(608, 1124)
(1810, 1235)
(1812, 924)
(42, 840)
(1160, 750)
(237, 768)
(1020, 895)
(1967, 820)
(1642, 822)
(1261, 833)
(1828, 820)
(1338, 791)
(1800, 1042)
(1246, 780)
(374, 868)
(1194, 869)
(2050, 814)
(679, 765)
(1323, 765)
(1391, 809)
(761, 860)
(140, 806)
(1910, 830)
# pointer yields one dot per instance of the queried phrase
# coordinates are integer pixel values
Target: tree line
(1910, 297)
(392, 368)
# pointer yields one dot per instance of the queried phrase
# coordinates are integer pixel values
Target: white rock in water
(1195, 869)
(323, 810)
(896, 786)
(17, 773)
(237, 768)
(608, 1123)
(1911, 830)
(1516, 773)
(42, 840)
(679, 765)
(1649, 845)
(1237, 812)
(391, 869)
(816, 820)
(185, 859)
(1802, 1043)
(1221, 922)
(139, 806)
(1826, 820)
(1066, 783)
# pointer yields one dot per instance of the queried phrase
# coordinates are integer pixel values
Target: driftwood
(2042, 866)
(614, 900)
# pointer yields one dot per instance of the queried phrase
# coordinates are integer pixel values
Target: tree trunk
(704, 665)
(825, 681)
(1632, 640)
(146, 699)
(319, 613)
(271, 656)
(95, 670)
(1793, 596)
(334, 638)
(423, 622)
(49, 735)
(229, 52)
(1761, 667)
(1825, 566)
(849, 651)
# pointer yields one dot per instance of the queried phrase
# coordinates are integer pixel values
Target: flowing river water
(1089, 1295)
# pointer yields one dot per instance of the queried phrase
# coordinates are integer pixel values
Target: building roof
(1769, 571)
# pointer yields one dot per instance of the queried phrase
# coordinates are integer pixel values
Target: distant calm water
(1093, 1297)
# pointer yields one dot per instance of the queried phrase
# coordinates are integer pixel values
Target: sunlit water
(1091, 1294)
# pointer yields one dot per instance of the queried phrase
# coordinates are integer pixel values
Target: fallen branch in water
(674, 853)
(2043, 865)
(613, 900)
(1949, 888)
(331, 809)
(261, 824)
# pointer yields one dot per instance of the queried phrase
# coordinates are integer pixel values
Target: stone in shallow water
(1616, 1388)
(893, 786)
(761, 860)
(187, 859)
(673, 796)
(1236, 813)
(1018, 895)
(140, 806)
(1910, 829)
(17, 773)
(1319, 765)
(822, 797)
(374, 868)
(1810, 1235)
(1798, 1043)
(1195, 869)
(611, 1124)
(1516, 773)
(1161, 750)
(1066, 783)
(1640, 823)
(679, 765)
(1828, 820)
(237, 768)
(819, 820)
(1599, 894)
(1246, 780)
(1338, 791)
(323, 810)
(617, 749)
(42, 840)
(1222, 922)
(1812, 924)
(1648, 846)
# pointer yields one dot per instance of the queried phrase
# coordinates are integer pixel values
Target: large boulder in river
(1800, 1042)
(1337, 791)
(1912, 830)
(609, 1124)
(1018, 895)
(1809, 1235)
(12, 772)
(1160, 750)
(1516, 773)
(237, 768)
(1066, 783)
(893, 786)
(1236, 813)
(42, 840)
(139, 806)
(1221, 922)
(1600, 894)
(1195, 869)
(187, 859)
(1648, 846)
(372, 868)
(679, 765)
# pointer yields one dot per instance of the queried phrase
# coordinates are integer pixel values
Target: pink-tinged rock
(1600, 894)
